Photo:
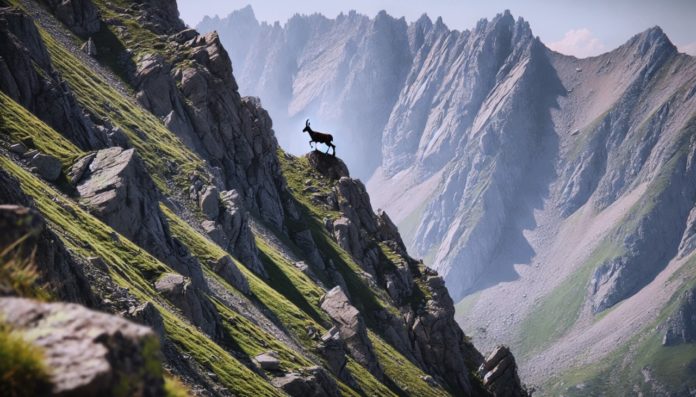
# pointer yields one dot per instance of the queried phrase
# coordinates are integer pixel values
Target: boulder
(229, 271)
(210, 202)
(88, 353)
(310, 382)
(268, 361)
(89, 47)
(499, 374)
(351, 328)
(328, 165)
(18, 148)
(191, 301)
(47, 166)
(80, 16)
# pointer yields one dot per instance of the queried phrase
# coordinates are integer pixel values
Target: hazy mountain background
(552, 191)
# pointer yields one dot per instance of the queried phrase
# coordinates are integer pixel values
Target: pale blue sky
(580, 27)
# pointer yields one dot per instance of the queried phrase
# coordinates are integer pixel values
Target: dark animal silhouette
(319, 137)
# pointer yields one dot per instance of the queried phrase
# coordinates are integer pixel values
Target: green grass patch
(290, 281)
(173, 387)
(559, 309)
(406, 375)
(20, 125)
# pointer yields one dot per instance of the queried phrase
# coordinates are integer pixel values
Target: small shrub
(19, 274)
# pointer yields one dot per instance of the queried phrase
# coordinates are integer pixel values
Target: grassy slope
(167, 159)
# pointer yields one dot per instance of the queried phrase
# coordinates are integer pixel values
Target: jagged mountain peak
(651, 38)
(424, 20)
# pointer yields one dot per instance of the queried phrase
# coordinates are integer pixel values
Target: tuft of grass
(174, 387)
(22, 369)
(18, 273)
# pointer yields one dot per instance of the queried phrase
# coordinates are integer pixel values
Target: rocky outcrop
(439, 341)
(681, 325)
(232, 231)
(311, 382)
(499, 374)
(333, 349)
(28, 77)
(80, 16)
(351, 329)
(179, 290)
(327, 165)
(88, 353)
(116, 187)
(198, 100)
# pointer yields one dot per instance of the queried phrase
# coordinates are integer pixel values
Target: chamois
(319, 137)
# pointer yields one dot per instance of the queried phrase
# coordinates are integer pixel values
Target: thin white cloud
(689, 48)
(578, 42)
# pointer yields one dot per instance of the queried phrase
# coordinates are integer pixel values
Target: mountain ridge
(556, 187)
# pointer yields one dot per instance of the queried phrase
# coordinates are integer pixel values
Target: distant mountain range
(555, 194)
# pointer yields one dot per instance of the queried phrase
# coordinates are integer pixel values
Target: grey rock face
(499, 373)
(238, 238)
(28, 77)
(351, 328)
(210, 202)
(80, 16)
(229, 271)
(198, 101)
(681, 326)
(89, 353)
(182, 294)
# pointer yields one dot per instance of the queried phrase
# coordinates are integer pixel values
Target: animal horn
(306, 123)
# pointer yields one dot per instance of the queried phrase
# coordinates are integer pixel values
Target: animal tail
(330, 137)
